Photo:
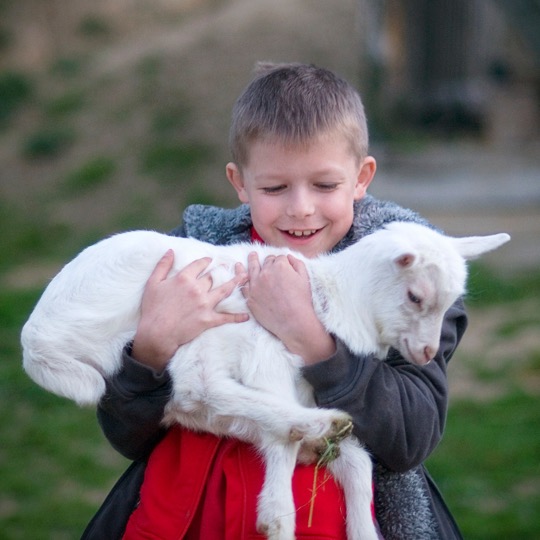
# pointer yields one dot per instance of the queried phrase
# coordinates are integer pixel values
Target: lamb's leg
(276, 513)
(353, 470)
(279, 414)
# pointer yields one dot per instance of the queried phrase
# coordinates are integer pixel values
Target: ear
(365, 176)
(235, 177)
(405, 260)
(473, 246)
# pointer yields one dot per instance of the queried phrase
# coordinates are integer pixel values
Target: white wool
(390, 289)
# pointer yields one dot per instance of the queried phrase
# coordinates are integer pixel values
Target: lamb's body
(238, 379)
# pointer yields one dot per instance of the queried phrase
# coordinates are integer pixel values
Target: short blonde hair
(293, 104)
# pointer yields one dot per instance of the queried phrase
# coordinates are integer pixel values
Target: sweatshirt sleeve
(131, 410)
(398, 409)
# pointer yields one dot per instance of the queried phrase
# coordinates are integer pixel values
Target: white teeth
(302, 233)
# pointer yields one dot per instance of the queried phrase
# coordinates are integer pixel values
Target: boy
(301, 167)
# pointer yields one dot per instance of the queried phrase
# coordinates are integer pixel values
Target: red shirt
(200, 487)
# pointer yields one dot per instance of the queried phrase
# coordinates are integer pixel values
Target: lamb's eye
(414, 299)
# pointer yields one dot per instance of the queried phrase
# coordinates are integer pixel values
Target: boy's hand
(278, 294)
(176, 309)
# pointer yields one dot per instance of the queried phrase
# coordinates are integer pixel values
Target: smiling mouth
(301, 234)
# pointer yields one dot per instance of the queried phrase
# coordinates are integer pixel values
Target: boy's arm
(174, 310)
(399, 410)
(131, 410)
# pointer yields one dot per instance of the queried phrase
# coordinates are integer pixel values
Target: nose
(300, 205)
(429, 353)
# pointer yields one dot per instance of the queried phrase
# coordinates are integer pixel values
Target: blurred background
(114, 115)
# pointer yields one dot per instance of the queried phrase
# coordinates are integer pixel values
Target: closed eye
(273, 189)
(414, 299)
(327, 186)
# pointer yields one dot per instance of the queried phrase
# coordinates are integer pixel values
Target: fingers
(225, 290)
(276, 259)
(254, 265)
(232, 318)
(240, 274)
(163, 267)
(165, 264)
(298, 265)
(195, 273)
(220, 292)
(195, 276)
(196, 268)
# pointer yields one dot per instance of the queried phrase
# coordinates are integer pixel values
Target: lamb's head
(424, 274)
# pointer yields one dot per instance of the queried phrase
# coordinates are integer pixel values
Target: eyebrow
(330, 172)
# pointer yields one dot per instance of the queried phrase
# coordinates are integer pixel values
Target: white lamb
(391, 289)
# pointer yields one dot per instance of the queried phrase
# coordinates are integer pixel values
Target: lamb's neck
(341, 299)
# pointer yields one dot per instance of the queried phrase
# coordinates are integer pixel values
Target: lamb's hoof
(327, 452)
(341, 429)
(273, 532)
(327, 449)
(322, 424)
(295, 435)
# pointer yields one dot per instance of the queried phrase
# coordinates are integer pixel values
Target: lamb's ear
(405, 259)
(473, 246)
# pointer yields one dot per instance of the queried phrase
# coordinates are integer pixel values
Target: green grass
(48, 143)
(169, 162)
(15, 89)
(93, 26)
(167, 120)
(66, 104)
(24, 239)
(486, 287)
(68, 67)
(88, 176)
(488, 467)
(56, 465)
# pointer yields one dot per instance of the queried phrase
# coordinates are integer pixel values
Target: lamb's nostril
(429, 353)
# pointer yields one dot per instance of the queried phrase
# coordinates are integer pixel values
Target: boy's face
(302, 198)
